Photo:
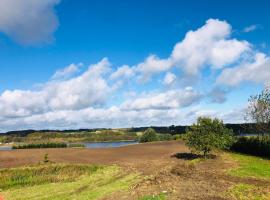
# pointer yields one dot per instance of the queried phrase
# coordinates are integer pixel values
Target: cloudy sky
(88, 64)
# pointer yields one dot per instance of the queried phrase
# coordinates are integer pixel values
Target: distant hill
(237, 129)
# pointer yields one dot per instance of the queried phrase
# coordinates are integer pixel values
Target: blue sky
(85, 64)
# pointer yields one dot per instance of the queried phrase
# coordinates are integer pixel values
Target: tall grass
(54, 181)
(40, 145)
(41, 174)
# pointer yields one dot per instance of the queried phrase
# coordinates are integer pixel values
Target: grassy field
(59, 182)
(252, 167)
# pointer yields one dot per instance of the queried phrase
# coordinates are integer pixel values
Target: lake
(91, 145)
(97, 145)
(5, 148)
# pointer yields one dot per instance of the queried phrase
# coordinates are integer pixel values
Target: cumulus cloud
(164, 100)
(218, 95)
(211, 45)
(169, 78)
(28, 22)
(86, 99)
(152, 65)
(67, 72)
(124, 72)
(256, 70)
(208, 45)
(88, 89)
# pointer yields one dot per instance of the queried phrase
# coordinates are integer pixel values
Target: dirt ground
(163, 172)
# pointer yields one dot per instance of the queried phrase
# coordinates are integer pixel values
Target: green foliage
(178, 136)
(40, 145)
(165, 137)
(259, 145)
(207, 135)
(251, 166)
(149, 135)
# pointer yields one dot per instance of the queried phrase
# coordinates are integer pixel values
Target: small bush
(40, 145)
(178, 136)
(165, 137)
(149, 135)
(259, 145)
(46, 158)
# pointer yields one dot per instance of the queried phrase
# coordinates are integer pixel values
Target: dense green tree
(149, 135)
(207, 135)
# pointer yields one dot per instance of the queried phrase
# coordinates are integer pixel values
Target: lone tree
(149, 135)
(208, 135)
(258, 111)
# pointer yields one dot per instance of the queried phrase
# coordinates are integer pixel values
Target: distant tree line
(238, 129)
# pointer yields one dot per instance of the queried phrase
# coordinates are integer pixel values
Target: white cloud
(124, 72)
(67, 72)
(257, 70)
(88, 89)
(164, 100)
(169, 78)
(114, 117)
(251, 28)
(29, 21)
(208, 45)
(152, 65)
(218, 95)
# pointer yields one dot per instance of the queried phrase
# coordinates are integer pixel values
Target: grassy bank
(59, 181)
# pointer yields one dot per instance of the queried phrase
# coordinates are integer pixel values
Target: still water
(97, 145)
(91, 145)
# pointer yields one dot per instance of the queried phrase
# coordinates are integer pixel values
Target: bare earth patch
(161, 172)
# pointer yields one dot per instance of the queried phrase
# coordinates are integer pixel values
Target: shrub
(46, 158)
(165, 137)
(40, 145)
(178, 136)
(149, 135)
(258, 145)
(207, 135)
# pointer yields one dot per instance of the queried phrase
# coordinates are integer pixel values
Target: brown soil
(177, 177)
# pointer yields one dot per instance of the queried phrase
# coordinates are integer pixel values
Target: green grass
(154, 197)
(251, 166)
(247, 192)
(63, 182)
